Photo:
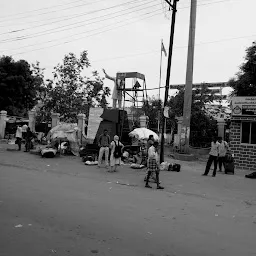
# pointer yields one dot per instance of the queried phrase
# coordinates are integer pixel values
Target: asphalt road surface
(62, 207)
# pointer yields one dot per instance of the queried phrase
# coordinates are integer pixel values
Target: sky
(126, 36)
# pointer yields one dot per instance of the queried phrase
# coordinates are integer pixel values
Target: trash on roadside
(150, 233)
(216, 215)
(91, 163)
(19, 226)
(137, 166)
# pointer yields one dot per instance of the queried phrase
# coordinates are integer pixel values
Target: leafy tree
(244, 83)
(70, 92)
(19, 86)
(202, 125)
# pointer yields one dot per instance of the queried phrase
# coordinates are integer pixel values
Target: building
(243, 132)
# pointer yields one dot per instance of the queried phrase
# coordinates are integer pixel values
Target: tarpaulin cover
(69, 132)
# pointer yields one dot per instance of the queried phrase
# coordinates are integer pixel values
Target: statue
(117, 94)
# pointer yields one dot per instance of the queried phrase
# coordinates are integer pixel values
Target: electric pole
(173, 5)
(185, 130)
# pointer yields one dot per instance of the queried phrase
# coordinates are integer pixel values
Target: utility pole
(173, 5)
(185, 130)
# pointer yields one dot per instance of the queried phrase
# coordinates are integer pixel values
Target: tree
(244, 83)
(202, 125)
(19, 86)
(70, 92)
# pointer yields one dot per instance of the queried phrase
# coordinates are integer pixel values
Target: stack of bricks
(245, 154)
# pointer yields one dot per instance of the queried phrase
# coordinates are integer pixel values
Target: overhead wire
(53, 11)
(75, 34)
(45, 8)
(97, 33)
(48, 31)
(111, 29)
(70, 17)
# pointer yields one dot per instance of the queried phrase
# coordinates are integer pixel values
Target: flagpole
(160, 77)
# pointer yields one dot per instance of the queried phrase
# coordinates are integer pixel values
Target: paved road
(66, 208)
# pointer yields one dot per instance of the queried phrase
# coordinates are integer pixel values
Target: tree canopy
(70, 92)
(19, 85)
(244, 83)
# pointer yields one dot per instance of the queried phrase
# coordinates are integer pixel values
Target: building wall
(245, 154)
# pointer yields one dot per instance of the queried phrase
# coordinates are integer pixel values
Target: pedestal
(178, 136)
(81, 125)
(143, 121)
(3, 115)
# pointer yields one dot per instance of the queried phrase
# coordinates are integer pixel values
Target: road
(62, 207)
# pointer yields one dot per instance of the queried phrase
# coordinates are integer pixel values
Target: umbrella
(143, 133)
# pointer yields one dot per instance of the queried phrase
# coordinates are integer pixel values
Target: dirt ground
(61, 207)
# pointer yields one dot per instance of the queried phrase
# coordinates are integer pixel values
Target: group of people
(24, 132)
(217, 154)
(115, 148)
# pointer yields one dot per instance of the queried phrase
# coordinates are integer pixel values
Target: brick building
(243, 132)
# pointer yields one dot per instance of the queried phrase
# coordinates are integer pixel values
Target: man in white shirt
(213, 157)
(24, 131)
(153, 164)
(18, 136)
(223, 147)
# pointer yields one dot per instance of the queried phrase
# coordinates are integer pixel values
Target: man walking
(104, 142)
(153, 164)
(213, 157)
(223, 147)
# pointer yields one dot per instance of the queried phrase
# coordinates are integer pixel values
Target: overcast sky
(125, 36)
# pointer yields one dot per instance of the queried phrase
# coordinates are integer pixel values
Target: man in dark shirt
(104, 142)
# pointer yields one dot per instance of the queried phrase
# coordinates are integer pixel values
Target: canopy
(68, 132)
(143, 133)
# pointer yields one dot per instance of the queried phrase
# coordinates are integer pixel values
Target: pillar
(81, 124)
(221, 127)
(32, 120)
(3, 117)
(143, 121)
(55, 119)
(180, 120)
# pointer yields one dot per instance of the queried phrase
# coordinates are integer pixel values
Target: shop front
(243, 132)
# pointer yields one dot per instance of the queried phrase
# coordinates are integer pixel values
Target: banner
(244, 106)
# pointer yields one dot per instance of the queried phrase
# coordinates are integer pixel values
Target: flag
(163, 49)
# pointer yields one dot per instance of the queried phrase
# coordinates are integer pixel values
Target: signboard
(94, 123)
(244, 106)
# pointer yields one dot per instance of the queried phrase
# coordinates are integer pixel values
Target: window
(248, 132)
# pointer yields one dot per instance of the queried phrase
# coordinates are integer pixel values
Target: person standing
(104, 142)
(223, 147)
(18, 136)
(153, 165)
(213, 157)
(24, 131)
(28, 138)
(116, 152)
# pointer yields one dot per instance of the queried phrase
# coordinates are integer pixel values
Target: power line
(44, 8)
(70, 35)
(100, 32)
(79, 22)
(53, 29)
(114, 6)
